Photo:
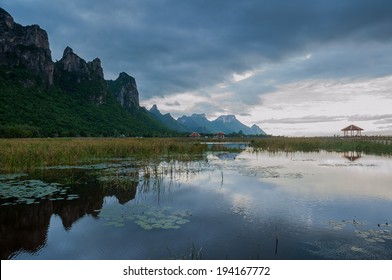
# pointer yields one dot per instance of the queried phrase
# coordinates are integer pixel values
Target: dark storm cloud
(173, 46)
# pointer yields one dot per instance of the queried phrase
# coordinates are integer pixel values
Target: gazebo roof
(351, 128)
(195, 134)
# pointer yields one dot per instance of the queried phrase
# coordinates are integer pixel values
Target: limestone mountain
(256, 130)
(199, 123)
(229, 124)
(125, 90)
(226, 123)
(73, 74)
(167, 120)
(68, 98)
(25, 46)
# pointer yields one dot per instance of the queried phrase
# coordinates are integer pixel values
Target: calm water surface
(225, 206)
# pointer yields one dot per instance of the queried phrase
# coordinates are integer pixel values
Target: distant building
(194, 135)
(352, 131)
(220, 135)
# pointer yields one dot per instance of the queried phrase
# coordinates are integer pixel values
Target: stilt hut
(195, 135)
(220, 135)
(352, 131)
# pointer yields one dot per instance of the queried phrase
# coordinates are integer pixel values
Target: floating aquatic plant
(339, 225)
(269, 172)
(374, 236)
(113, 178)
(146, 216)
(31, 191)
(369, 235)
(357, 249)
(98, 166)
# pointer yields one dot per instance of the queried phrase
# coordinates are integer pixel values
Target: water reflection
(322, 174)
(352, 155)
(236, 205)
(25, 227)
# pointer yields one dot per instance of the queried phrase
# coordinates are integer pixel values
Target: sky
(295, 68)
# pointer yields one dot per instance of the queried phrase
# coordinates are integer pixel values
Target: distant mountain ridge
(167, 120)
(199, 123)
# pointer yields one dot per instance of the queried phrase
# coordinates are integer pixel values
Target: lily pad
(339, 225)
(375, 236)
(30, 191)
(358, 249)
(146, 216)
(98, 166)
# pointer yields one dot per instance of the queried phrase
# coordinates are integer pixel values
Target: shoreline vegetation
(330, 144)
(20, 155)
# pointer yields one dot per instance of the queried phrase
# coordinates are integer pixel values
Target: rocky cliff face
(125, 90)
(25, 47)
(74, 74)
(28, 47)
(71, 63)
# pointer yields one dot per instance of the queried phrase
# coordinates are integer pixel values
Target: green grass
(312, 144)
(19, 155)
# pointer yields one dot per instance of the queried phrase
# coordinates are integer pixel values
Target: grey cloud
(174, 46)
(385, 118)
(384, 121)
(245, 115)
(306, 119)
(378, 119)
(176, 103)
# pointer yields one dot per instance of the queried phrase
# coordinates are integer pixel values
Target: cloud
(176, 46)
(175, 103)
(378, 119)
(305, 119)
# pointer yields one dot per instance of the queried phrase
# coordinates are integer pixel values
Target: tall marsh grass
(18, 155)
(306, 144)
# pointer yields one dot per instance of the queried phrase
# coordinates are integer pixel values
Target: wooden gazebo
(352, 131)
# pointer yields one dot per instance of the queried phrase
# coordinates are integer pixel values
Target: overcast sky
(303, 67)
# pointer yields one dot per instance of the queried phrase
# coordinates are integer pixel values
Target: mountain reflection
(25, 227)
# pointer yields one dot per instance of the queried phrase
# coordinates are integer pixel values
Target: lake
(222, 205)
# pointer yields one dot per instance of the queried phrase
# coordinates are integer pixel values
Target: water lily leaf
(358, 249)
(146, 216)
(31, 191)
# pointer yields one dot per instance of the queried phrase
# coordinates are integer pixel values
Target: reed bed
(311, 144)
(19, 155)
